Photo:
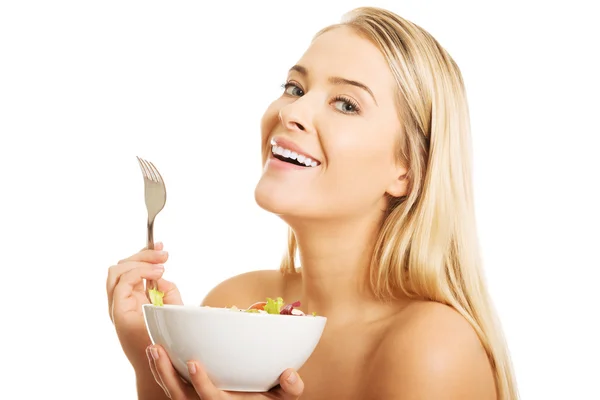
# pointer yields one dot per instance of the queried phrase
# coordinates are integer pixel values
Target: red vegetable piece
(258, 306)
(296, 304)
(287, 310)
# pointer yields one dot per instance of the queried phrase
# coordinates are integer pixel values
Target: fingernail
(159, 267)
(191, 368)
(292, 378)
(154, 353)
(163, 253)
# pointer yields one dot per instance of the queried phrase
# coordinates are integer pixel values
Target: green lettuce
(156, 297)
(274, 306)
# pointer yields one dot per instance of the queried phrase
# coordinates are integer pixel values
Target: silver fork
(155, 194)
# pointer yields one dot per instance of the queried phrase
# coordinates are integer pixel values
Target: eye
(346, 105)
(293, 90)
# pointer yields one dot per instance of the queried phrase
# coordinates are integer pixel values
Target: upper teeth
(293, 155)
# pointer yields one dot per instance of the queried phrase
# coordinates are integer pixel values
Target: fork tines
(149, 170)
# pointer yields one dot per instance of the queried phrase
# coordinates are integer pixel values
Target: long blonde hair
(428, 247)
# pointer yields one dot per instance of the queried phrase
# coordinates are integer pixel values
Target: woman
(381, 213)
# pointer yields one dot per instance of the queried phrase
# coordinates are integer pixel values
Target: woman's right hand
(125, 291)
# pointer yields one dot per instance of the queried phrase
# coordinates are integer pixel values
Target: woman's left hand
(290, 384)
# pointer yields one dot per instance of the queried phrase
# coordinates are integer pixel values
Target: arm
(147, 388)
(433, 354)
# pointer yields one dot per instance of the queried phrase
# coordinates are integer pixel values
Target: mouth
(282, 153)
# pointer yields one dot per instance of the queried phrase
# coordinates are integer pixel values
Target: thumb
(291, 384)
(172, 295)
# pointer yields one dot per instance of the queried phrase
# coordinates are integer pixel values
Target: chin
(296, 202)
(271, 196)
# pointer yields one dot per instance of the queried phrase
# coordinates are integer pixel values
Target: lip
(288, 144)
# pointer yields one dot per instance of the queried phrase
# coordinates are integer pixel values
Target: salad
(276, 306)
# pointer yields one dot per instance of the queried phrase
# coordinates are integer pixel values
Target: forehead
(344, 53)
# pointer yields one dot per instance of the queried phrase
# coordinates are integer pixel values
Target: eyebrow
(336, 80)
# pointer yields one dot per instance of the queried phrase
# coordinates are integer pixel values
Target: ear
(399, 186)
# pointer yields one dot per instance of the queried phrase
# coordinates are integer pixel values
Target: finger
(157, 246)
(116, 271)
(169, 376)
(124, 269)
(130, 279)
(202, 383)
(172, 295)
(158, 255)
(291, 384)
(155, 374)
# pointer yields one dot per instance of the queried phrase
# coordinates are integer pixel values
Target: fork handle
(150, 245)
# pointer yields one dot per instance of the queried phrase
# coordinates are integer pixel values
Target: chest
(340, 366)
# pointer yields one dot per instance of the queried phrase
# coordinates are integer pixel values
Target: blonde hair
(427, 247)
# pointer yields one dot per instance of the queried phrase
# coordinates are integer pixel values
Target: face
(330, 140)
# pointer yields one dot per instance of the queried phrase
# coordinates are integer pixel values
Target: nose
(296, 117)
(294, 125)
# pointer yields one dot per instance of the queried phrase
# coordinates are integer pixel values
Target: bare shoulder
(247, 288)
(431, 352)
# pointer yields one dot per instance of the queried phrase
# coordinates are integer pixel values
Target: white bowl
(241, 351)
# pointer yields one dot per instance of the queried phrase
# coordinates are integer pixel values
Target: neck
(335, 258)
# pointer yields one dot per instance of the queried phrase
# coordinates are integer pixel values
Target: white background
(86, 86)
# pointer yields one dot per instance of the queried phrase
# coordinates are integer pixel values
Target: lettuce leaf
(156, 297)
(274, 306)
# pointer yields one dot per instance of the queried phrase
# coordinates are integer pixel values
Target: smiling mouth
(292, 157)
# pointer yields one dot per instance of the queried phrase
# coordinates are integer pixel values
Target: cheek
(360, 148)
(361, 160)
